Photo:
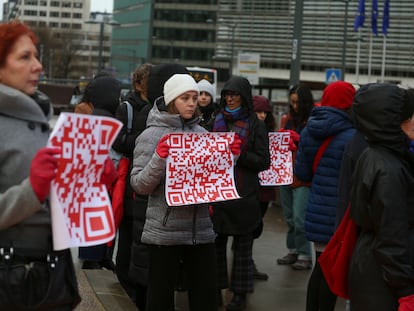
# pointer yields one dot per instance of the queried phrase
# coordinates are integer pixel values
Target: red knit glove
(109, 174)
(163, 148)
(235, 145)
(43, 171)
(294, 139)
(406, 303)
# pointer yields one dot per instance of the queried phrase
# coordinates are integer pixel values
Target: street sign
(249, 66)
(333, 75)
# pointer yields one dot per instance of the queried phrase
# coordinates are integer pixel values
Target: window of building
(66, 4)
(76, 26)
(77, 15)
(55, 3)
(65, 25)
(42, 13)
(42, 24)
(65, 14)
(30, 13)
(54, 14)
(53, 25)
(78, 5)
(30, 2)
(43, 2)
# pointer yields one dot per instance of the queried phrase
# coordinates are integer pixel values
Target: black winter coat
(382, 266)
(242, 216)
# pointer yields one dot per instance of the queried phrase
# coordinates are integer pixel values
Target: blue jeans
(294, 202)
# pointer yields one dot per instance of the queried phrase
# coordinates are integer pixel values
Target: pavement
(285, 290)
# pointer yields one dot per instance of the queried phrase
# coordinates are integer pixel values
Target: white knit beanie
(206, 86)
(178, 84)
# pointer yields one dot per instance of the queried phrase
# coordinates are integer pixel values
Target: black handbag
(45, 284)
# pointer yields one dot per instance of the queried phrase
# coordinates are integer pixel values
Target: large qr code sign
(85, 142)
(281, 168)
(200, 168)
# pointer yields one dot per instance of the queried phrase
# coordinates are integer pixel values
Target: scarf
(236, 121)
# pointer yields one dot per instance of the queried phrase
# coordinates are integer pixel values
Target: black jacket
(382, 266)
(242, 216)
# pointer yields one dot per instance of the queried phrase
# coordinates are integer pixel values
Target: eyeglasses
(232, 95)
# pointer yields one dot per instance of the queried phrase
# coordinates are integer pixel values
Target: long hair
(9, 34)
(305, 104)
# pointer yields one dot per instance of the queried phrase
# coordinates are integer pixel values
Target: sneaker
(302, 264)
(289, 259)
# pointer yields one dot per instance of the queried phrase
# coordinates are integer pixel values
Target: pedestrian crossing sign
(333, 75)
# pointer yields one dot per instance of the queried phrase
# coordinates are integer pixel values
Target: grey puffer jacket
(24, 221)
(164, 225)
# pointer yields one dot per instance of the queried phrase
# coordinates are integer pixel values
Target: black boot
(219, 298)
(259, 275)
(238, 303)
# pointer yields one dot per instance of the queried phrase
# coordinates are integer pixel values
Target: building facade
(74, 42)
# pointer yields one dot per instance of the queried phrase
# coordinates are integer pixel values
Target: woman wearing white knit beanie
(173, 234)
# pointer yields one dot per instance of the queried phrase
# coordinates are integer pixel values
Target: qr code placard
(200, 169)
(85, 142)
(281, 169)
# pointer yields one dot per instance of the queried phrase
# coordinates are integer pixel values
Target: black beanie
(158, 75)
(104, 93)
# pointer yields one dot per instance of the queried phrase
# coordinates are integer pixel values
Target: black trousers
(199, 263)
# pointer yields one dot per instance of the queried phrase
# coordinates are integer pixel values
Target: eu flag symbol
(360, 18)
(374, 17)
(386, 17)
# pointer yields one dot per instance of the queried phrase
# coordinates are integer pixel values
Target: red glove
(43, 171)
(163, 148)
(294, 135)
(235, 145)
(406, 303)
(109, 174)
(294, 139)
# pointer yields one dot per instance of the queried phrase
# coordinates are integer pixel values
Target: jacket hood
(327, 121)
(16, 104)
(379, 110)
(240, 85)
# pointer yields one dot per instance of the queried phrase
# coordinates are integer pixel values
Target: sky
(96, 6)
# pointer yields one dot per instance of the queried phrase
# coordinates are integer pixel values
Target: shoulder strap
(320, 152)
(130, 114)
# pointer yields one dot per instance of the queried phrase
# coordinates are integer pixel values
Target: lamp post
(233, 31)
(102, 23)
(296, 44)
(343, 66)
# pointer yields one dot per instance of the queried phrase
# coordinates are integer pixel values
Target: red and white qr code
(200, 169)
(281, 169)
(85, 142)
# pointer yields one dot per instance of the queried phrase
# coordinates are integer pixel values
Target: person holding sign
(43, 279)
(174, 234)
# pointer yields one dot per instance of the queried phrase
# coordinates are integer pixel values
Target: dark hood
(240, 85)
(158, 75)
(379, 110)
(104, 93)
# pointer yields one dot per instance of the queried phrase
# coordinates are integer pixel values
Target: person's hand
(294, 139)
(84, 108)
(109, 174)
(43, 171)
(163, 148)
(406, 303)
(294, 135)
(235, 145)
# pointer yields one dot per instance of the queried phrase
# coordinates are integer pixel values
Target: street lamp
(102, 23)
(345, 39)
(233, 32)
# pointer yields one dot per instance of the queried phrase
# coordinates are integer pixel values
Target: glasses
(232, 95)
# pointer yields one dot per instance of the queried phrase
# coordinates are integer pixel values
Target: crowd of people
(350, 151)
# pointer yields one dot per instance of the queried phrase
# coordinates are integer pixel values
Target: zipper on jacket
(194, 226)
(167, 213)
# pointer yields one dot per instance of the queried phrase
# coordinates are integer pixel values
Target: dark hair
(305, 104)
(9, 34)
